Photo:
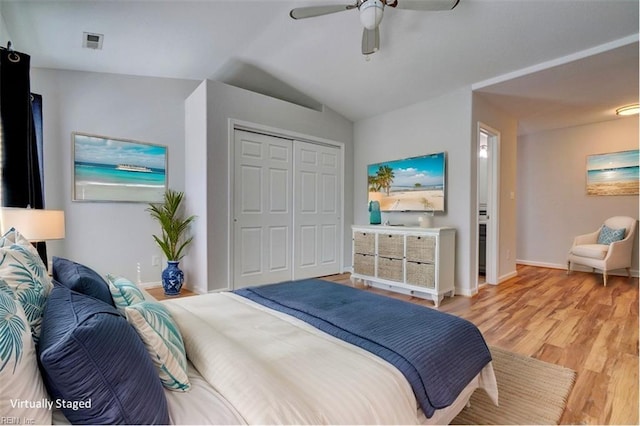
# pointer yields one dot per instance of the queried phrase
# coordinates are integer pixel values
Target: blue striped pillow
(90, 354)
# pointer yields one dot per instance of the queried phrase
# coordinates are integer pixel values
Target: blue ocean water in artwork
(111, 175)
(620, 174)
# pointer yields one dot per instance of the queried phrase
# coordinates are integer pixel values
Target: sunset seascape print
(613, 174)
(108, 169)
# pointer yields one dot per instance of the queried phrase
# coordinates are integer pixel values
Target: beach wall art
(117, 170)
(412, 184)
(615, 173)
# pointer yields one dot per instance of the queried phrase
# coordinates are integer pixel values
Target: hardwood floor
(569, 320)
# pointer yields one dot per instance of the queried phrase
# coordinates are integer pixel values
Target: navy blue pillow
(81, 278)
(91, 357)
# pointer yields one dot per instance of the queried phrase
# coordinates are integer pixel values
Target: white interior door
(317, 210)
(263, 219)
(492, 182)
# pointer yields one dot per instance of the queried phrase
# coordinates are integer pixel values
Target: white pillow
(123, 292)
(23, 271)
(162, 338)
(21, 385)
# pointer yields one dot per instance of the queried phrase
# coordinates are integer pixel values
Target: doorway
(488, 204)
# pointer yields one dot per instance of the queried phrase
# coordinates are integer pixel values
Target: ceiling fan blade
(370, 41)
(311, 11)
(423, 4)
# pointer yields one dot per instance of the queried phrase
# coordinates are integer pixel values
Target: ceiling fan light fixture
(628, 110)
(371, 14)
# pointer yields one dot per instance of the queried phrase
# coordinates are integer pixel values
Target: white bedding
(275, 369)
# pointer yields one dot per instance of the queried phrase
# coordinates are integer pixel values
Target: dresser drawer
(421, 248)
(421, 274)
(364, 264)
(391, 245)
(390, 268)
(364, 242)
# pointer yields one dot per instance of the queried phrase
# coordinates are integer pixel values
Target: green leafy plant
(173, 224)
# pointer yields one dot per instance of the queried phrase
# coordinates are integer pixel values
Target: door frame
(236, 124)
(493, 204)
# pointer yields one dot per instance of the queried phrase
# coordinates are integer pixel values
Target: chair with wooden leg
(607, 249)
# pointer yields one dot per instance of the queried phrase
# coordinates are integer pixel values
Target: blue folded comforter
(438, 353)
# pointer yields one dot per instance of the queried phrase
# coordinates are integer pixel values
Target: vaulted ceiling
(256, 45)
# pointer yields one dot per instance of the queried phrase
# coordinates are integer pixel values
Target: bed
(263, 355)
(276, 369)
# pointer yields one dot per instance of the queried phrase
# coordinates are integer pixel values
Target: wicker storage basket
(421, 248)
(364, 264)
(364, 242)
(421, 274)
(391, 245)
(390, 269)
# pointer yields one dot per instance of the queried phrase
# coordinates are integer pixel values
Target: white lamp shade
(33, 224)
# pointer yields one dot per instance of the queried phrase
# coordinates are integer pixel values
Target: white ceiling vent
(92, 40)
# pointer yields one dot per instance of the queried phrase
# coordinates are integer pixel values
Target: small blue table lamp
(374, 213)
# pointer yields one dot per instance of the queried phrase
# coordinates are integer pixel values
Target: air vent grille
(92, 40)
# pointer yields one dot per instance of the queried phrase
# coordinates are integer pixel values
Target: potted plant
(173, 240)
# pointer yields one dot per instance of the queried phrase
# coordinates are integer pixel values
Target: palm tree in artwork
(374, 185)
(384, 177)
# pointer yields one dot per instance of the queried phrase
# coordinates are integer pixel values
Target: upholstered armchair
(606, 249)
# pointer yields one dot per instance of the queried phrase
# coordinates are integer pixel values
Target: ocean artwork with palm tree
(410, 184)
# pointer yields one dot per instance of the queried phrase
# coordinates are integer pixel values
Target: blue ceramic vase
(172, 279)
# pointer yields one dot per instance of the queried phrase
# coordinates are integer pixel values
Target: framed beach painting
(415, 184)
(117, 170)
(613, 174)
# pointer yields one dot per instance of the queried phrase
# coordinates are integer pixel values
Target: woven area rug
(530, 392)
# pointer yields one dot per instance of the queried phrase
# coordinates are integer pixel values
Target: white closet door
(263, 219)
(317, 210)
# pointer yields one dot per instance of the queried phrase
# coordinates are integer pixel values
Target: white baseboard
(507, 276)
(579, 268)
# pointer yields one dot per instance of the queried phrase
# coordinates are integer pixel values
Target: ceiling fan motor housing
(371, 13)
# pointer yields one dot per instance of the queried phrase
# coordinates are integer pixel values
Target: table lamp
(34, 224)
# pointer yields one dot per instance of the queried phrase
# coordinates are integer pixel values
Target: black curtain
(22, 183)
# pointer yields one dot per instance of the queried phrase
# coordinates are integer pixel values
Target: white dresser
(415, 261)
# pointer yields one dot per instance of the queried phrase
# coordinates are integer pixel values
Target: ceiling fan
(371, 12)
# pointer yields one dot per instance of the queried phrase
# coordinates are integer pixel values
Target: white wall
(4, 33)
(196, 155)
(439, 124)
(224, 102)
(553, 206)
(109, 237)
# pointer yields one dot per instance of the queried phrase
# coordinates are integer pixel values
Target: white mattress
(202, 404)
(273, 368)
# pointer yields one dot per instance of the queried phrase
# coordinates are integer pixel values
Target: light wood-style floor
(569, 320)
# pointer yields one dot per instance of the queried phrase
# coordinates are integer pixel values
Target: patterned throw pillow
(24, 272)
(609, 235)
(12, 237)
(162, 338)
(124, 292)
(20, 378)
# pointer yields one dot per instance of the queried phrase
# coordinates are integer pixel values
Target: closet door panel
(317, 207)
(262, 223)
